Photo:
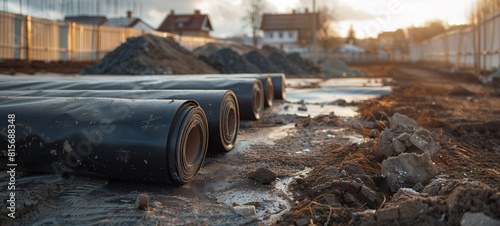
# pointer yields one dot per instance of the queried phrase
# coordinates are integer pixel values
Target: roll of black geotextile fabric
(140, 140)
(266, 80)
(248, 91)
(279, 86)
(220, 106)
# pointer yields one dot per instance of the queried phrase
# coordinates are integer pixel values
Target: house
(196, 24)
(289, 32)
(128, 21)
(89, 20)
(393, 41)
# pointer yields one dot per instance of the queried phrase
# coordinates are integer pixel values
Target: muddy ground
(294, 170)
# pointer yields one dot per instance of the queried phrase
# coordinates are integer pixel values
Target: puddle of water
(314, 110)
(319, 100)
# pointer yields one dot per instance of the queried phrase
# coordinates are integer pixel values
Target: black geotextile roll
(248, 91)
(266, 80)
(140, 140)
(279, 86)
(220, 106)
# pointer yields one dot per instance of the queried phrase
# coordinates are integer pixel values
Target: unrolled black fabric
(140, 140)
(248, 91)
(220, 106)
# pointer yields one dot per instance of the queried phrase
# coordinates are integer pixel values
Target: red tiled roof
(190, 23)
(294, 21)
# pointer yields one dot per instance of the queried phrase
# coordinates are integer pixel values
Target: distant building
(196, 24)
(89, 20)
(393, 41)
(128, 21)
(289, 32)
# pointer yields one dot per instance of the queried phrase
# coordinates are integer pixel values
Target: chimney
(197, 12)
(293, 11)
(307, 11)
(129, 14)
(172, 12)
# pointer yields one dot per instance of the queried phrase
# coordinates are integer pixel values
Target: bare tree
(326, 35)
(254, 18)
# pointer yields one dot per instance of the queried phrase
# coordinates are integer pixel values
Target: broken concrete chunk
(387, 215)
(399, 147)
(408, 169)
(385, 143)
(142, 202)
(411, 209)
(246, 211)
(418, 187)
(263, 176)
(399, 119)
(420, 143)
(403, 137)
(475, 219)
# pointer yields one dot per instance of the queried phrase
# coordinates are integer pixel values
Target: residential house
(289, 32)
(128, 21)
(196, 24)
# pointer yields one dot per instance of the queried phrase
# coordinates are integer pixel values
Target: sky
(368, 17)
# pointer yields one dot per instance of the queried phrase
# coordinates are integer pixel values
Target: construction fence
(33, 39)
(474, 47)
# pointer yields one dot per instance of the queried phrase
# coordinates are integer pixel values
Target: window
(290, 34)
(270, 35)
(281, 34)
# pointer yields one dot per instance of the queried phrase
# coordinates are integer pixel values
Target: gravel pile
(228, 61)
(150, 55)
(259, 60)
(304, 64)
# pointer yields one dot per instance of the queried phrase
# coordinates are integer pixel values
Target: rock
(343, 173)
(420, 143)
(246, 211)
(385, 143)
(475, 219)
(399, 119)
(373, 133)
(352, 168)
(403, 137)
(302, 222)
(399, 147)
(418, 187)
(263, 176)
(408, 169)
(460, 91)
(302, 108)
(142, 202)
(411, 209)
(386, 215)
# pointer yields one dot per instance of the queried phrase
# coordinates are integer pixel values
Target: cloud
(345, 12)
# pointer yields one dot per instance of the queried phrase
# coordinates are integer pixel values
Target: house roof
(292, 21)
(124, 22)
(191, 22)
(92, 20)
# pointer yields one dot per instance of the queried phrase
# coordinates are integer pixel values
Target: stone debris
(246, 211)
(263, 176)
(142, 202)
(475, 219)
(405, 136)
(408, 169)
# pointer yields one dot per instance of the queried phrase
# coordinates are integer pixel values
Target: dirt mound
(264, 65)
(304, 64)
(334, 68)
(228, 61)
(151, 55)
